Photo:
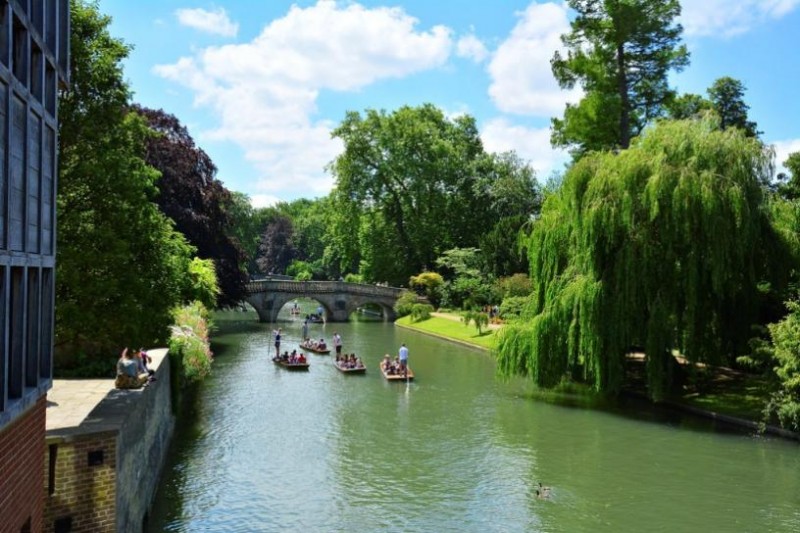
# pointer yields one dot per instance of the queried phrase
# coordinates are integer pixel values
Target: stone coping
(78, 407)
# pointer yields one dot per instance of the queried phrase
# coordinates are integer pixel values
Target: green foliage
(121, 267)
(354, 278)
(516, 285)
(480, 319)
(412, 183)
(188, 344)
(429, 284)
(688, 106)
(202, 283)
(421, 312)
(405, 303)
(620, 52)
(783, 356)
(246, 225)
(300, 270)
(789, 185)
(727, 99)
(513, 306)
(662, 246)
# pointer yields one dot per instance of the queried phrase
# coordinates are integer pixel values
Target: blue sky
(260, 84)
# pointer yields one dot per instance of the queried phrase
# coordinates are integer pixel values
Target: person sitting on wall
(128, 375)
(146, 360)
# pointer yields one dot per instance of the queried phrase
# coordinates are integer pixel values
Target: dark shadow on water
(640, 409)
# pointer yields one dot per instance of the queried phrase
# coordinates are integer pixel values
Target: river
(456, 450)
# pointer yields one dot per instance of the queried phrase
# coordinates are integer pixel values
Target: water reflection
(454, 450)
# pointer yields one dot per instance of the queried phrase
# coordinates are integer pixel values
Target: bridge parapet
(322, 287)
(339, 298)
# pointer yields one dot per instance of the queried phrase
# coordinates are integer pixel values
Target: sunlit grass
(452, 329)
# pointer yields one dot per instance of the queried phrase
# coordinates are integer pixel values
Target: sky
(260, 84)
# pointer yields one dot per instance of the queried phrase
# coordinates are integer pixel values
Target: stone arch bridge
(338, 298)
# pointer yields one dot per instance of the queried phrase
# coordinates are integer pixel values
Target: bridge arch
(339, 299)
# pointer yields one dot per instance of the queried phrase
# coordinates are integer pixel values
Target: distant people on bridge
(337, 343)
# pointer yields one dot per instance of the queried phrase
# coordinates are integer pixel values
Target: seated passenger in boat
(301, 358)
(359, 363)
(321, 345)
(386, 363)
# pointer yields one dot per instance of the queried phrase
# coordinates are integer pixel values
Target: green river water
(456, 450)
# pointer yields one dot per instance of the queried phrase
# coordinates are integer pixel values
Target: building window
(32, 344)
(16, 332)
(20, 52)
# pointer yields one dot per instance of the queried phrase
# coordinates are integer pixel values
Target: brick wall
(21, 466)
(80, 491)
(132, 430)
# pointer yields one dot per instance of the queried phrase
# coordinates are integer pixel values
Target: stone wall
(21, 457)
(102, 475)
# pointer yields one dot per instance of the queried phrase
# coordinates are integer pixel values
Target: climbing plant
(660, 247)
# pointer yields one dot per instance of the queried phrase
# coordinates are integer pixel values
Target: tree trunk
(622, 87)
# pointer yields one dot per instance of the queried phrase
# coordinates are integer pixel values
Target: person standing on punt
(277, 333)
(305, 329)
(337, 342)
(403, 354)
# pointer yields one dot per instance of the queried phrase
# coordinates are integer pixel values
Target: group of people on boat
(314, 345)
(392, 367)
(349, 361)
(293, 358)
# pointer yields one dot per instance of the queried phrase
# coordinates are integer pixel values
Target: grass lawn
(740, 395)
(451, 329)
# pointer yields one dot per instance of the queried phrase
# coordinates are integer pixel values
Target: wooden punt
(397, 377)
(317, 351)
(360, 370)
(290, 366)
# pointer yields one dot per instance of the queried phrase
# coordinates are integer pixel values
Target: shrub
(480, 319)
(512, 306)
(188, 344)
(405, 304)
(428, 284)
(421, 312)
(354, 278)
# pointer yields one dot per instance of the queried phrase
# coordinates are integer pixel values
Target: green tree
(121, 267)
(727, 99)
(411, 175)
(429, 284)
(620, 52)
(247, 225)
(195, 200)
(277, 251)
(649, 248)
(688, 106)
(789, 185)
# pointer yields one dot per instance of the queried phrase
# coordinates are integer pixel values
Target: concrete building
(34, 60)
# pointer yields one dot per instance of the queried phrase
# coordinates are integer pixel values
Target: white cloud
(727, 18)
(782, 151)
(263, 200)
(522, 81)
(472, 48)
(265, 91)
(531, 144)
(216, 22)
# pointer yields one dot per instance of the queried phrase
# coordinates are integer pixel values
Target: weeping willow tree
(660, 247)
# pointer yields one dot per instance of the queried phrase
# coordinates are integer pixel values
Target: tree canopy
(660, 247)
(190, 195)
(412, 184)
(620, 52)
(121, 266)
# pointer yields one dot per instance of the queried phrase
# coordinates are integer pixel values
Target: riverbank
(727, 396)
